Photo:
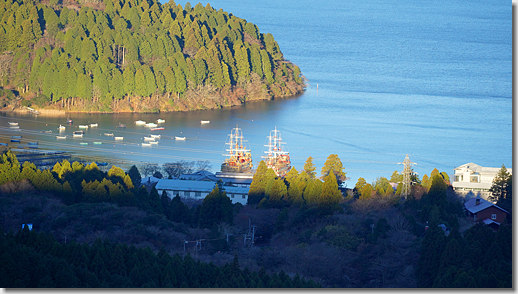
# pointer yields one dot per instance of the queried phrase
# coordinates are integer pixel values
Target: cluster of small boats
(80, 131)
(151, 140)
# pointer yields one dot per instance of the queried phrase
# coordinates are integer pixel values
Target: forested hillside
(93, 228)
(135, 55)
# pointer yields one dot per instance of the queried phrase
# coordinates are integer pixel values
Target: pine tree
(258, 185)
(334, 164)
(309, 168)
(331, 196)
(499, 187)
(215, 209)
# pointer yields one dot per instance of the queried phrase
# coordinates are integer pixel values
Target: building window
(231, 195)
(244, 196)
(493, 216)
(457, 178)
(187, 193)
(197, 194)
(474, 179)
(175, 192)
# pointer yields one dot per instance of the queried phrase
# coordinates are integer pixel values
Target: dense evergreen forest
(104, 229)
(135, 55)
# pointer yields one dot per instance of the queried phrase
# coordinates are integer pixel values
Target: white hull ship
(239, 157)
(276, 157)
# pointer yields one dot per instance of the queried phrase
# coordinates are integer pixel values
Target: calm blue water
(431, 79)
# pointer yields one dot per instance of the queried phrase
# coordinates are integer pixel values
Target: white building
(198, 190)
(474, 178)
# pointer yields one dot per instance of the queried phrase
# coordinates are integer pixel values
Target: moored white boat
(83, 143)
(155, 136)
(204, 121)
(98, 143)
(108, 134)
(179, 138)
(149, 139)
(153, 142)
(47, 132)
(119, 138)
(78, 133)
(94, 125)
(61, 137)
(157, 129)
(13, 123)
(145, 145)
(160, 121)
(83, 126)
(140, 122)
(61, 128)
(151, 125)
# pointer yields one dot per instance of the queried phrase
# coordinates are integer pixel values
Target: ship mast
(276, 157)
(274, 145)
(235, 143)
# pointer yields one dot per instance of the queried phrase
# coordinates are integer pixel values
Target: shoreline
(64, 113)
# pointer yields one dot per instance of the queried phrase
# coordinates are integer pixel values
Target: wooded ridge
(135, 56)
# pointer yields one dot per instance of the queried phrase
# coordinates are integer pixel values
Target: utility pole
(407, 173)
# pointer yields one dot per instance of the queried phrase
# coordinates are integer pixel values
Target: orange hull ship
(277, 158)
(239, 157)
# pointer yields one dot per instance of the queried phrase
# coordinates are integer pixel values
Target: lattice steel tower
(407, 173)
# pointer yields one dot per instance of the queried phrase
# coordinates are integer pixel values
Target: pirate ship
(277, 158)
(239, 157)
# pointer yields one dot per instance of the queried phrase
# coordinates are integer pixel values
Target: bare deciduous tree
(148, 169)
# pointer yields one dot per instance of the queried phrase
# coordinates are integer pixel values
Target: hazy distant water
(431, 79)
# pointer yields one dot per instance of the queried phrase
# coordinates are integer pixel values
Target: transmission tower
(407, 173)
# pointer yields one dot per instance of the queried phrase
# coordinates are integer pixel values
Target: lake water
(431, 79)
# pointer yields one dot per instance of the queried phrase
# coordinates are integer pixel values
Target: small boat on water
(157, 129)
(153, 142)
(155, 136)
(140, 122)
(15, 140)
(83, 126)
(204, 121)
(151, 125)
(14, 127)
(160, 121)
(16, 137)
(145, 145)
(121, 125)
(101, 163)
(98, 143)
(78, 134)
(108, 134)
(3, 144)
(83, 143)
(61, 137)
(61, 128)
(94, 125)
(119, 138)
(47, 132)
(13, 123)
(180, 138)
(149, 139)
(69, 121)
(33, 143)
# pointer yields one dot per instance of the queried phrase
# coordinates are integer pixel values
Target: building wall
(486, 213)
(235, 198)
(238, 198)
